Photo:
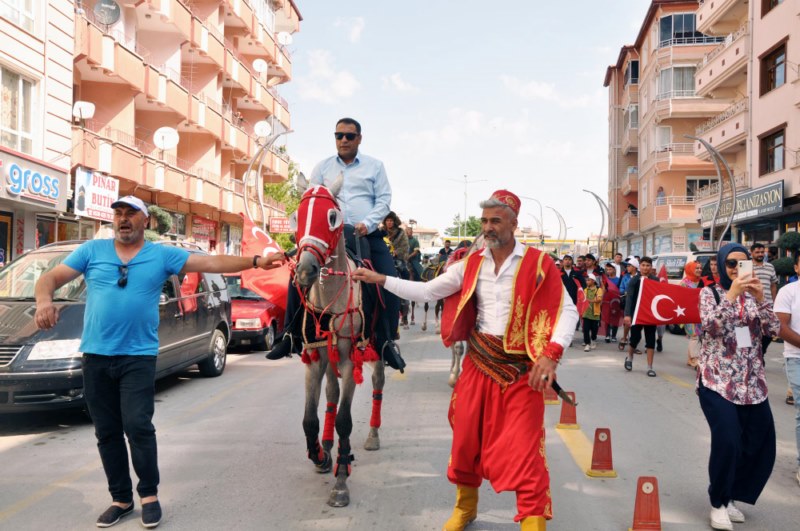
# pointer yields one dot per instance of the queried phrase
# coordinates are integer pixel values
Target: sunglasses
(123, 276)
(348, 136)
(731, 264)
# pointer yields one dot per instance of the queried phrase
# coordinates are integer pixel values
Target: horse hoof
(372, 444)
(327, 463)
(424, 327)
(339, 498)
(327, 445)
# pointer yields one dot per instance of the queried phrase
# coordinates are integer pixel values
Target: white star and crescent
(679, 311)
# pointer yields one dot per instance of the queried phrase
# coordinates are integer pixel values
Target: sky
(509, 94)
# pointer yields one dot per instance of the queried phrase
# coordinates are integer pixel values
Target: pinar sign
(94, 194)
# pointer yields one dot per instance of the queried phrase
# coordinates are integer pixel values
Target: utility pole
(464, 221)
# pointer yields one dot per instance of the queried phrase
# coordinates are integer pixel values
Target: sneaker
(594, 345)
(608, 339)
(613, 339)
(659, 345)
(734, 513)
(584, 344)
(151, 514)
(720, 519)
(628, 364)
(586, 348)
(112, 515)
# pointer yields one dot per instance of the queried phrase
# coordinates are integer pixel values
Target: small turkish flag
(662, 273)
(272, 284)
(662, 303)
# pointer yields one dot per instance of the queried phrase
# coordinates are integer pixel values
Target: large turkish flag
(271, 284)
(662, 303)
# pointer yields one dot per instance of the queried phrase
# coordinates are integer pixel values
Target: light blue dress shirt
(365, 196)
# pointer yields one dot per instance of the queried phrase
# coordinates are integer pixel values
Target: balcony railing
(730, 39)
(742, 181)
(733, 110)
(128, 41)
(682, 41)
(673, 94)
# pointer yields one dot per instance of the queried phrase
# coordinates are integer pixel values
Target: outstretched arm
(200, 263)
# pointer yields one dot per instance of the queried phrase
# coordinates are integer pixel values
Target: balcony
(207, 41)
(629, 224)
(630, 139)
(685, 104)
(630, 183)
(742, 181)
(720, 17)
(672, 211)
(726, 65)
(287, 19)
(102, 54)
(171, 12)
(727, 131)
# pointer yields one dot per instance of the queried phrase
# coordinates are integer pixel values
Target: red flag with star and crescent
(661, 303)
(272, 284)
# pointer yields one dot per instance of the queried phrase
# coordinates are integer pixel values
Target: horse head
(318, 224)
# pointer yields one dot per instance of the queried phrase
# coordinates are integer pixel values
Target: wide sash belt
(486, 352)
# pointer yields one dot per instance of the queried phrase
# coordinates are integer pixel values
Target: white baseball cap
(133, 202)
(634, 262)
(591, 276)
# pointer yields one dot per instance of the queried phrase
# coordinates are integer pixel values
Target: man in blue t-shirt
(124, 276)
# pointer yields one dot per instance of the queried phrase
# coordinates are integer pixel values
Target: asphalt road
(232, 452)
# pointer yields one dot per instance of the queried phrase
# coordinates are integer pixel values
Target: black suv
(41, 369)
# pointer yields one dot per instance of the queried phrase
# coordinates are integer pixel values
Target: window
(772, 152)
(631, 117)
(663, 137)
(19, 12)
(769, 5)
(16, 108)
(695, 184)
(677, 82)
(632, 73)
(681, 29)
(773, 69)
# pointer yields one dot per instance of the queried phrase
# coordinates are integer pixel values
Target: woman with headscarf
(691, 279)
(399, 248)
(732, 387)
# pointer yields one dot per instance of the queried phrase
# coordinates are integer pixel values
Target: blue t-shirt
(123, 320)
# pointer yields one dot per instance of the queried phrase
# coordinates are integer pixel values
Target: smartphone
(745, 268)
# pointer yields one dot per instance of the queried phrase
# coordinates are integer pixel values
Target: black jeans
(590, 327)
(120, 395)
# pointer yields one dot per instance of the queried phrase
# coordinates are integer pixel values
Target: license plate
(245, 341)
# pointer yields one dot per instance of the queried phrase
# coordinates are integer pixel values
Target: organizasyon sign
(750, 204)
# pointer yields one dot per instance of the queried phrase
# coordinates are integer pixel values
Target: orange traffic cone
(569, 417)
(646, 512)
(550, 397)
(602, 465)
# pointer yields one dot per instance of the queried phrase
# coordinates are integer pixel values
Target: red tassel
(315, 355)
(357, 357)
(305, 358)
(375, 419)
(370, 354)
(330, 421)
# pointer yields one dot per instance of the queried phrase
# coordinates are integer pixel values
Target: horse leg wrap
(327, 431)
(344, 458)
(315, 452)
(375, 419)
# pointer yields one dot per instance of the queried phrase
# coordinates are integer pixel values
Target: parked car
(256, 320)
(41, 369)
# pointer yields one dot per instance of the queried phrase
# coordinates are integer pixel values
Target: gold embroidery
(540, 332)
(517, 334)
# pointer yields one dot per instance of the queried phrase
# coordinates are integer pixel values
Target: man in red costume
(514, 312)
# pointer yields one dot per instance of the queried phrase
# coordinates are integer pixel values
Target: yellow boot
(465, 511)
(533, 523)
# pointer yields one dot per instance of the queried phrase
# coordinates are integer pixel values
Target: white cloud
(541, 91)
(396, 82)
(353, 25)
(324, 82)
(460, 125)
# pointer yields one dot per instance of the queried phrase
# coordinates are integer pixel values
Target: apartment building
(755, 70)
(654, 172)
(208, 70)
(35, 114)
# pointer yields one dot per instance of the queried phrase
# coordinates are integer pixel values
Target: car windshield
(236, 291)
(18, 279)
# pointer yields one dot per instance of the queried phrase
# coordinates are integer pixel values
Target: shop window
(16, 110)
(772, 152)
(51, 229)
(773, 69)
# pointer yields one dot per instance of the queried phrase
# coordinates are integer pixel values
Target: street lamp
(464, 221)
(603, 211)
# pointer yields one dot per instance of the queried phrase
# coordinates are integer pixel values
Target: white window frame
(696, 179)
(663, 137)
(671, 92)
(19, 13)
(28, 135)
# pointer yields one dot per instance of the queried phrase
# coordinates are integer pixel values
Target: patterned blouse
(736, 374)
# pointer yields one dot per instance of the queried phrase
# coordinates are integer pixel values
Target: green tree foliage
(285, 193)
(784, 266)
(163, 223)
(790, 241)
(471, 228)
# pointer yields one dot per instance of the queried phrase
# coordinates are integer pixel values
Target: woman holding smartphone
(732, 387)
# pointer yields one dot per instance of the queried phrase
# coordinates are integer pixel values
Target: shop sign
(750, 204)
(31, 182)
(94, 194)
(203, 229)
(279, 225)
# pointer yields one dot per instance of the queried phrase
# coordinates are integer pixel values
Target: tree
(471, 228)
(790, 241)
(285, 193)
(163, 223)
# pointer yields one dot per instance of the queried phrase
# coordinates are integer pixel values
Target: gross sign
(279, 225)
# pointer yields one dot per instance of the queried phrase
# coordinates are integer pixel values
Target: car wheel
(268, 341)
(214, 364)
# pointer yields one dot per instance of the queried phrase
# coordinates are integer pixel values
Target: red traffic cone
(569, 418)
(602, 465)
(646, 512)
(550, 397)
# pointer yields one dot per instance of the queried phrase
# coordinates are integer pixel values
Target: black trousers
(649, 335)
(120, 395)
(590, 327)
(742, 448)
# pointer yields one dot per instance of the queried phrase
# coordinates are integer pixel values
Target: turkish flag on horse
(273, 284)
(662, 303)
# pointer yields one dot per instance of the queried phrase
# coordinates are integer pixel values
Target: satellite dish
(83, 110)
(285, 38)
(262, 129)
(260, 66)
(165, 138)
(107, 12)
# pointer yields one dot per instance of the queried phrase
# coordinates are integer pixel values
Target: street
(232, 451)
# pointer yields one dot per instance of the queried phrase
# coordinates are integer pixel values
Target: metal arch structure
(540, 221)
(716, 158)
(604, 211)
(561, 225)
(258, 159)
